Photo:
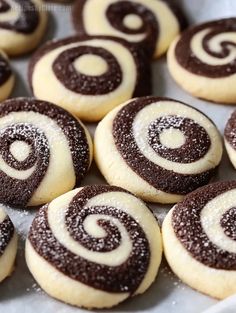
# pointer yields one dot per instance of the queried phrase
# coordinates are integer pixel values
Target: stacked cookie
(102, 243)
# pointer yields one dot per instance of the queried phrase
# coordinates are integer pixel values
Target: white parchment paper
(20, 293)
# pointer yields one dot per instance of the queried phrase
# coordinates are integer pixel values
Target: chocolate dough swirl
(6, 233)
(157, 176)
(84, 84)
(188, 59)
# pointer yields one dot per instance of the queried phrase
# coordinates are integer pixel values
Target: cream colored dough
(86, 107)
(213, 89)
(75, 292)
(99, 25)
(7, 259)
(117, 172)
(16, 43)
(216, 283)
(6, 88)
(60, 165)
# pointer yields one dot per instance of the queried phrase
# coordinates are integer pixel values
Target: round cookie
(204, 55)
(151, 24)
(101, 243)
(7, 78)
(89, 76)
(230, 138)
(199, 237)
(8, 245)
(159, 149)
(45, 152)
(22, 25)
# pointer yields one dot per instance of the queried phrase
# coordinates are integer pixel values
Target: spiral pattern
(89, 75)
(6, 231)
(143, 22)
(106, 244)
(19, 16)
(204, 223)
(82, 84)
(170, 145)
(209, 49)
(40, 145)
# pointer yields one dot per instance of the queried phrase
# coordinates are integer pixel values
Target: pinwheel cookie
(150, 24)
(45, 151)
(8, 245)
(101, 243)
(22, 25)
(159, 149)
(89, 76)
(199, 237)
(203, 60)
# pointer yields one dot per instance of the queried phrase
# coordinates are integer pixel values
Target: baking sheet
(20, 293)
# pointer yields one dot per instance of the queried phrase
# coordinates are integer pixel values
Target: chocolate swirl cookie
(89, 76)
(200, 239)
(158, 148)
(101, 243)
(22, 24)
(8, 245)
(230, 138)
(7, 77)
(151, 24)
(45, 151)
(204, 55)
